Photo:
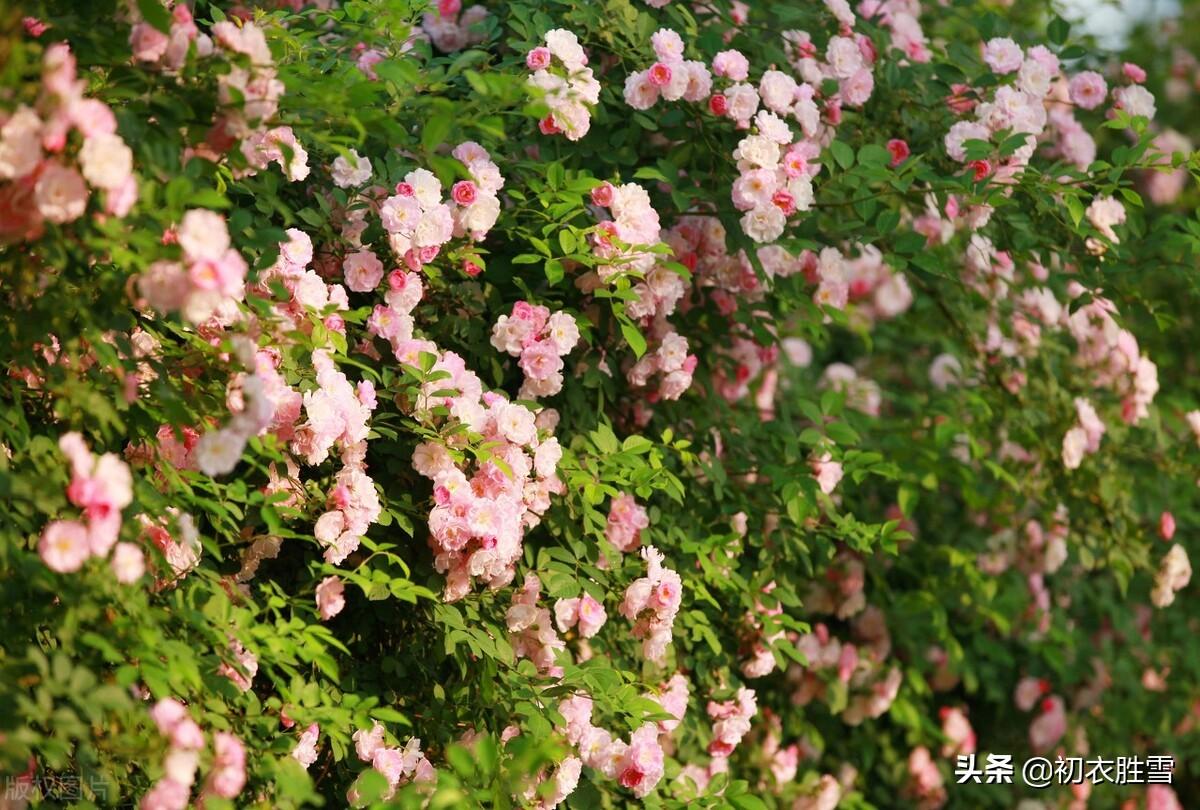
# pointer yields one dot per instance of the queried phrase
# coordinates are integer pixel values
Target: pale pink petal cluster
(621, 241)
(761, 661)
(1111, 353)
(651, 604)
(305, 751)
(100, 488)
(167, 51)
(175, 535)
(531, 629)
(561, 78)
(481, 508)
(399, 766)
(1084, 437)
(626, 520)
(637, 765)
(731, 721)
(451, 27)
(584, 612)
(331, 597)
(1174, 573)
(350, 170)
(244, 668)
(39, 180)
(956, 728)
(670, 78)
(226, 776)
(541, 340)
(669, 365)
(210, 279)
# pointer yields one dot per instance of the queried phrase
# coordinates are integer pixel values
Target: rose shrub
(596, 403)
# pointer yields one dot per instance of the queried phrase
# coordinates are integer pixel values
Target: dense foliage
(593, 403)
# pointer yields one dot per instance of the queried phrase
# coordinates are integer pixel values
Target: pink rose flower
(538, 58)
(64, 546)
(330, 596)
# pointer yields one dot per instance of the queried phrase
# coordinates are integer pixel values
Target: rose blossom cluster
(956, 728)
(541, 340)
(861, 666)
(1103, 213)
(1034, 550)
(209, 281)
(781, 761)
(45, 175)
(392, 320)
(167, 51)
(1174, 573)
(1017, 108)
(100, 488)
(330, 597)
(398, 765)
(561, 75)
(478, 521)
(451, 27)
(841, 592)
(1050, 724)
(1112, 355)
(822, 794)
(186, 740)
(877, 291)
(636, 765)
(242, 675)
(218, 451)
(1164, 185)
(308, 294)
(249, 93)
(175, 535)
(562, 783)
(584, 612)
(775, 177)
(650, 604)
(925, 783)
(756, 641)
(350, 170)
(626, 520)
(1084, 437)
(337, 414)
(531, 629)
(670, 362)
(862, 393)
(671, 77)
(829, 660)
(699, 244)
(745, 362)
(419, 222)
(899, 17)
(476, 204)
(634, 224)
(305, 751)
(731, 721)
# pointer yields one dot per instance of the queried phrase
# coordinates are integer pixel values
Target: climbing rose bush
(593, 404)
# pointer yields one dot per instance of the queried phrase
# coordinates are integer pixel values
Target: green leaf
(436, 131)
(633, 337)
(1075, 208)
(842, 153)
(156, 14)
(1058, 30)
(874, 155)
